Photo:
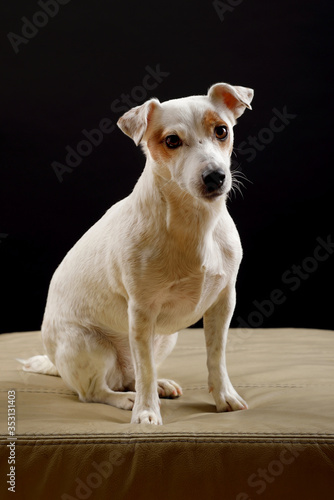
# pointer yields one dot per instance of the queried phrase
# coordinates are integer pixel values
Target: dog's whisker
(238, 179)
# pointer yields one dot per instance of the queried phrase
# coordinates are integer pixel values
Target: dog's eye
(221, 132)
(173, 141)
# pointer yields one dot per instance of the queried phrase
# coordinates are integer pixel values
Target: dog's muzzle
(213, 181)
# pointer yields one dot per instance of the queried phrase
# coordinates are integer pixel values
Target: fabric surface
(281, 448)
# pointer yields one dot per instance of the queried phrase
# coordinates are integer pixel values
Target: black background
(66, 76)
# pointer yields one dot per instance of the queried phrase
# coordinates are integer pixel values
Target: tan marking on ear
(231, 102)
(235, 98)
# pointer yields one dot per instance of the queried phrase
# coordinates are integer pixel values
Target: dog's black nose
(213, 179)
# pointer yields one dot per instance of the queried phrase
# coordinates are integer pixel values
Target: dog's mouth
(214, 195)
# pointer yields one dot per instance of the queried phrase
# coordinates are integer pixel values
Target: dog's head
(190, 140)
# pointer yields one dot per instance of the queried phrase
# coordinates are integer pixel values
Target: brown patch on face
(211, 120)
(157, 147)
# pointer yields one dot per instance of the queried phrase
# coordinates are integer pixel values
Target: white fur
(40, 364)
(156, 262)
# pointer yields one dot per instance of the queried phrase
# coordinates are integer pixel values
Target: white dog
(156, 262)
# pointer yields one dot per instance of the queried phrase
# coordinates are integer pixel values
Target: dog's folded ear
(235, 98)
(135, 122)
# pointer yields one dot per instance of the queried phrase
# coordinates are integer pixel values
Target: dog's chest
(185, 300)
(196, 292)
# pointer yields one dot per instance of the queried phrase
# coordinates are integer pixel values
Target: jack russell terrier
(155, 263)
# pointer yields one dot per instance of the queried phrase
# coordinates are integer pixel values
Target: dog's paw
(229, 400)
(168, 388)
(125, 401)
(146, 417)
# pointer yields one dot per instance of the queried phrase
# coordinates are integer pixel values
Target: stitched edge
(184, 388)
(161, 435)
(194, 440)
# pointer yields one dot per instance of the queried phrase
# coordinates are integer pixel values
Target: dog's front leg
(216, 323)
(141, 331)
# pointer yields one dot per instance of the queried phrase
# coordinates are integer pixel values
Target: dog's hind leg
(39, 364)
(91, 369)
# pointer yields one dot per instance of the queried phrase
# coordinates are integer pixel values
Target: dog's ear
(235, 98)
(135, 122)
